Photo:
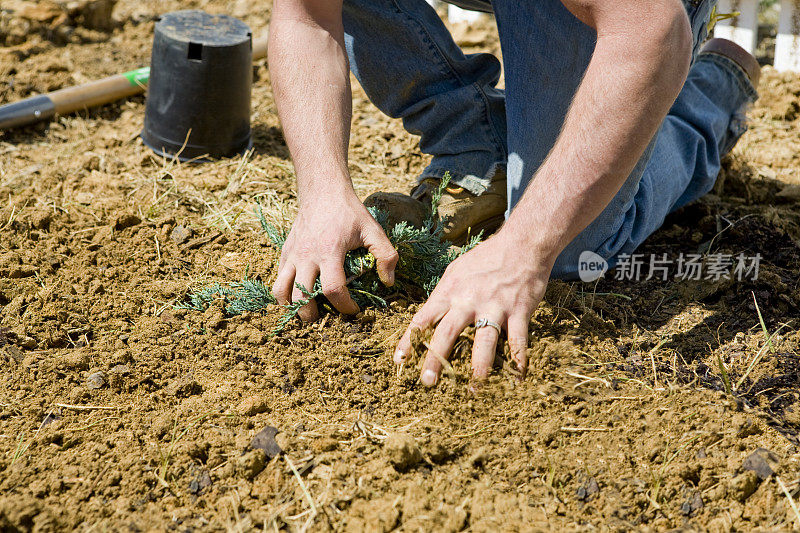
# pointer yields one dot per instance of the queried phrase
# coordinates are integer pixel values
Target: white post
(743, 30)
(787, 46)
(456, 14)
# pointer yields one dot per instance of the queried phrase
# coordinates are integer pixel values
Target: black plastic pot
(198, 99)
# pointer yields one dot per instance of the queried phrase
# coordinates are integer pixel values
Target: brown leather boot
(462, 213)
(746, 61)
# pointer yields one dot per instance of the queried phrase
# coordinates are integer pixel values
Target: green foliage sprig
(424, 256)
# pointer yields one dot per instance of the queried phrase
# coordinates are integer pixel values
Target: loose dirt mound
(119, 412)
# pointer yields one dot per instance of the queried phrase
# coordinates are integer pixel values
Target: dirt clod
(744, 485)
(402, 450)
(184, 387)
(253, 405)
(126, 221)
(251, 463)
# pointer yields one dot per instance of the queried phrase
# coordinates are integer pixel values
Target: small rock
(180, 234)
(762, 461)
(96, 380)
(693, 504)
(201, 482)
(253, 405)
(367, 378)
(126, 221)
(587, 489)
(402, 450)
(264, 440)
(251, 463)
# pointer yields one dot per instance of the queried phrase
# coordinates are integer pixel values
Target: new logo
(591, 266)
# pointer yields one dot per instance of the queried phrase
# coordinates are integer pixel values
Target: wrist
(539, 247)
(325, 190)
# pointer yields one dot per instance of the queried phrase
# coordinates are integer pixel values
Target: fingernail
(399, 356)
(429, 378)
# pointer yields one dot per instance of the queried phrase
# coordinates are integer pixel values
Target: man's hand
(310, 78)
(616, 111)
(495, 281)
(326, 228)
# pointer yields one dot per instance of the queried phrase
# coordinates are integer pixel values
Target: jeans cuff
(739, 75)
(474, 183)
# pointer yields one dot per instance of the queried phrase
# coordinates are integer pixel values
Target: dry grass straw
(789, 498)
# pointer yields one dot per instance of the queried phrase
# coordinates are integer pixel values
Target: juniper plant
(424, 256)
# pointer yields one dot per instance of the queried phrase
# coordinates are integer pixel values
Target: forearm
(632, 80)
(310, 80)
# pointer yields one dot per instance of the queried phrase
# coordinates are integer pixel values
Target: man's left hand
(501, 281)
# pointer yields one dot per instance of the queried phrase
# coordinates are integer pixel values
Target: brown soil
(118, 412)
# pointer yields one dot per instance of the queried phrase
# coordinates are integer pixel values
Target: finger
(334, 287)
(306, 278)
(483, 349)
(385, 255)
(284, 282)
(430, 314)
(518, 342)
(441, 345)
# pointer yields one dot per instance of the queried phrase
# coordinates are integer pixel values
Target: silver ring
(484, 322)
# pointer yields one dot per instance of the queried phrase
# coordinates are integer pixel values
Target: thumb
(385, 255)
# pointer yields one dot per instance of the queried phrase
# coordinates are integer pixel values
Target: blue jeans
(410, 68)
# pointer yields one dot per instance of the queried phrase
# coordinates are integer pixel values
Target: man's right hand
(327, 227)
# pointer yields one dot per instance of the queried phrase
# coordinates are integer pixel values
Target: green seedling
(424, 256)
